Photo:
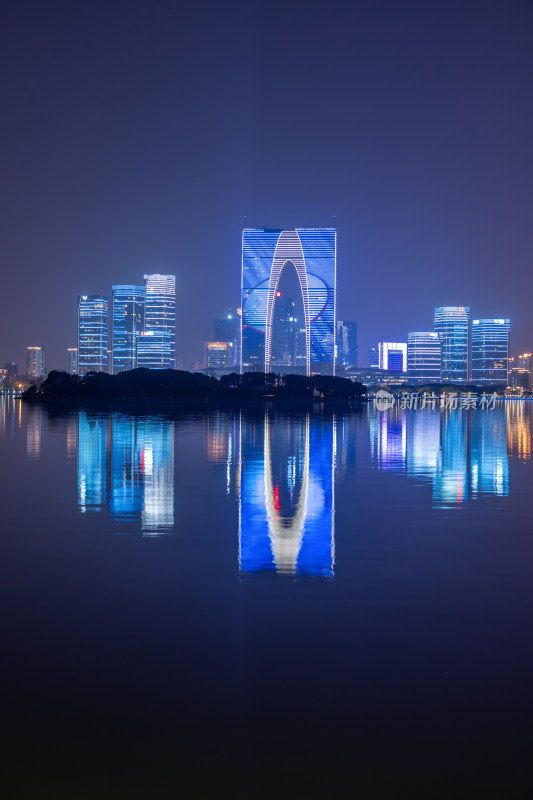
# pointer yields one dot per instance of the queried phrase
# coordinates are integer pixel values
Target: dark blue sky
(137, 135)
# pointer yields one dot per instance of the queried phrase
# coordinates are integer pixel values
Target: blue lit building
(72, 353)
(228, 329)
(424, 356)
(346, 343)
(154, 349)
(452, 323)
(265, 254)
(128, 320)
(92, 333)
(393, 356)
(490, 351)
(373, 357)
(160, 309)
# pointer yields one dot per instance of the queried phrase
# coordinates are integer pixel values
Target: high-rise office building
(228, 329)
(346, 343)
(12, 369)
(519, 378)
(452, 323)
(218, 356)
(72, 353)
(424, 356)
(92, 333)
(311, 252)
(373, 357)
(285, 326)
(490, 350)
(154, 349)
(160, 311)
(128, 321)
(35, 362)
(393, 356)
(522, 362)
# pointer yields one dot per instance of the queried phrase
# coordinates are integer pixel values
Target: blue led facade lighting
(92, 333)
(452, 323)
(160, 313)
(346, 343)
(490, 350)
(424, 356)
(154, 349)
(128, 320)
(313, 254)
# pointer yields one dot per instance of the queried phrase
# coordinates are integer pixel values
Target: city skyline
(428, 171)
(119, 342)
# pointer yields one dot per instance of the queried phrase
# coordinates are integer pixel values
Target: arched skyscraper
(265, 254)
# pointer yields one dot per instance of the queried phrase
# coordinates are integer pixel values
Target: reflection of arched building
(311, 252)
(286, 503)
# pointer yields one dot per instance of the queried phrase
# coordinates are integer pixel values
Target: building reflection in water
(518, 414)
(287, 500)
(450, 483)
(141, 479)
(92, 461)
(34, 430)
(388, 439)
(489, 462)
(223, 446)
(463, 454)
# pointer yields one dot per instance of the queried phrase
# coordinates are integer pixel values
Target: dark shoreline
(175, 389)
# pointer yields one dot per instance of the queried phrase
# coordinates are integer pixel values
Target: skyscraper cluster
(457, 350)
(143, 328)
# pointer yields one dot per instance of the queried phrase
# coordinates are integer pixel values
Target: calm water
(289, 604)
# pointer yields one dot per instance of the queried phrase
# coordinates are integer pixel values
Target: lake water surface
(275, 603)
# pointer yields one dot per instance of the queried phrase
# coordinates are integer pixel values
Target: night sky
(136, 136)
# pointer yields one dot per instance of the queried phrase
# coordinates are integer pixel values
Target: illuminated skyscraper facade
(92, 333)
(490, 350)
(228, 329)
(346, 343)
(373, 357)
(72, 354)
(160, 310)
(35, 362)
(424, 356)
(218, 356)
(128, 321)
(265, 254)
(452, 323)
(393, 356)
(153, 349)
